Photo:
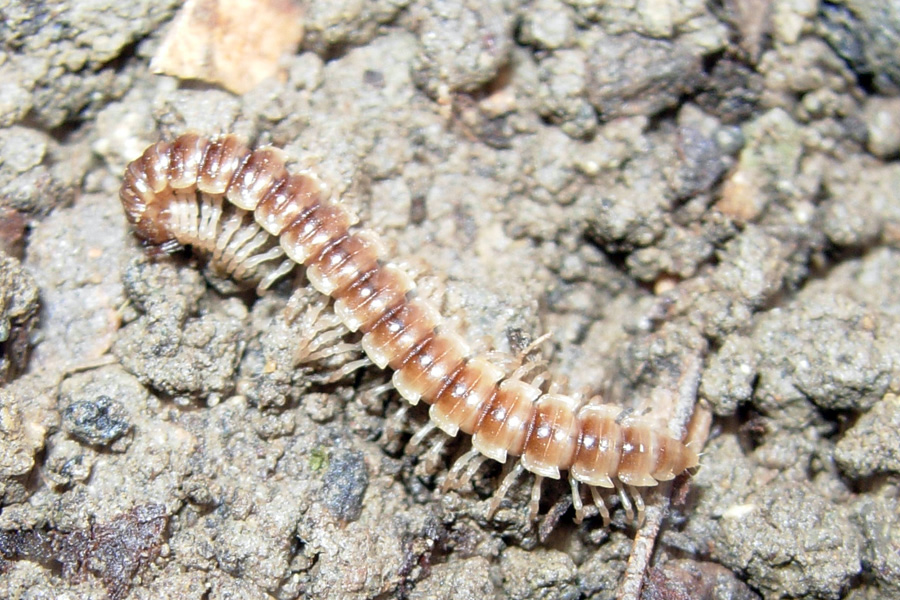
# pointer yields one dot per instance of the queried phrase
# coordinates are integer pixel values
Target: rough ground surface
(652, 182)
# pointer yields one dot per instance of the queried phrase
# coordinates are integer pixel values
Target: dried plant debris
(12, 231)
(235, 43)
(114, 552)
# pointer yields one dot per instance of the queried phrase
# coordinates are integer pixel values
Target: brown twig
(681, 421)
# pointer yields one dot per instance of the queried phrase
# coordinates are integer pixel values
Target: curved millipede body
(255, 219)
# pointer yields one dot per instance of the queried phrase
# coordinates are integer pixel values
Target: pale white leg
(523, 368)
(299, 304)
(393, 426)
(210, 213)
(522, 371)
(420, 435)
(334, 350)
(252, 262)
(381, 389)
(232, 224)
(638, 502)
(537, 342)
(233, 249)
(600, 504)
(348, 368)
(241, 265)
(469, 473)
(576, 500)
(432, 458)
(626, 501)
(535, 505)
(507, 483)
(280, 271)
(457, 468)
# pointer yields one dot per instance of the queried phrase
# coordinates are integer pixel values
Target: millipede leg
(186, 213)
(229, 227)
(393, 426)
(250, 264)
(273, 253)
(576, 500)
(638, 502)
(626, 501)
(416, 440)
(234, 249)
(469, 473)
(380, 389)
(600, 504)
(280, 271)
(432, 458)
(349, 367)
(299, 305)
(170, 247)
(324, 345)
(210, 213)
(193, 215)
(523, 370)
(534, 505)
(501, 492)
(243, 260)
(534, 344)
(450, 482)
(542, 377)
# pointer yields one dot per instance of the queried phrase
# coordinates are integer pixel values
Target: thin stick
(645, 538)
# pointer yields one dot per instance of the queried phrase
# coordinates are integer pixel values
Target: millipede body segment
(256, 220)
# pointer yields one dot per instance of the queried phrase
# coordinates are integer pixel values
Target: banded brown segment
(401, 329)
(460, 403)
(366, 300)
(339, 267)
(254, 176)
(185, 158)
(285, 202)
(599, 447)
(552, 436)
(503, 426)
(223, 158)
(426, 369)
(317, 226)
(638, 458)
(145, 193)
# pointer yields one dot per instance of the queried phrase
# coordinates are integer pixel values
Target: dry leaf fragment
(235, 43)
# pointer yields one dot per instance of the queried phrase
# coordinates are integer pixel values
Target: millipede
(256, 221)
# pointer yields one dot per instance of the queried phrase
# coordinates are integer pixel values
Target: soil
(657, 184)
